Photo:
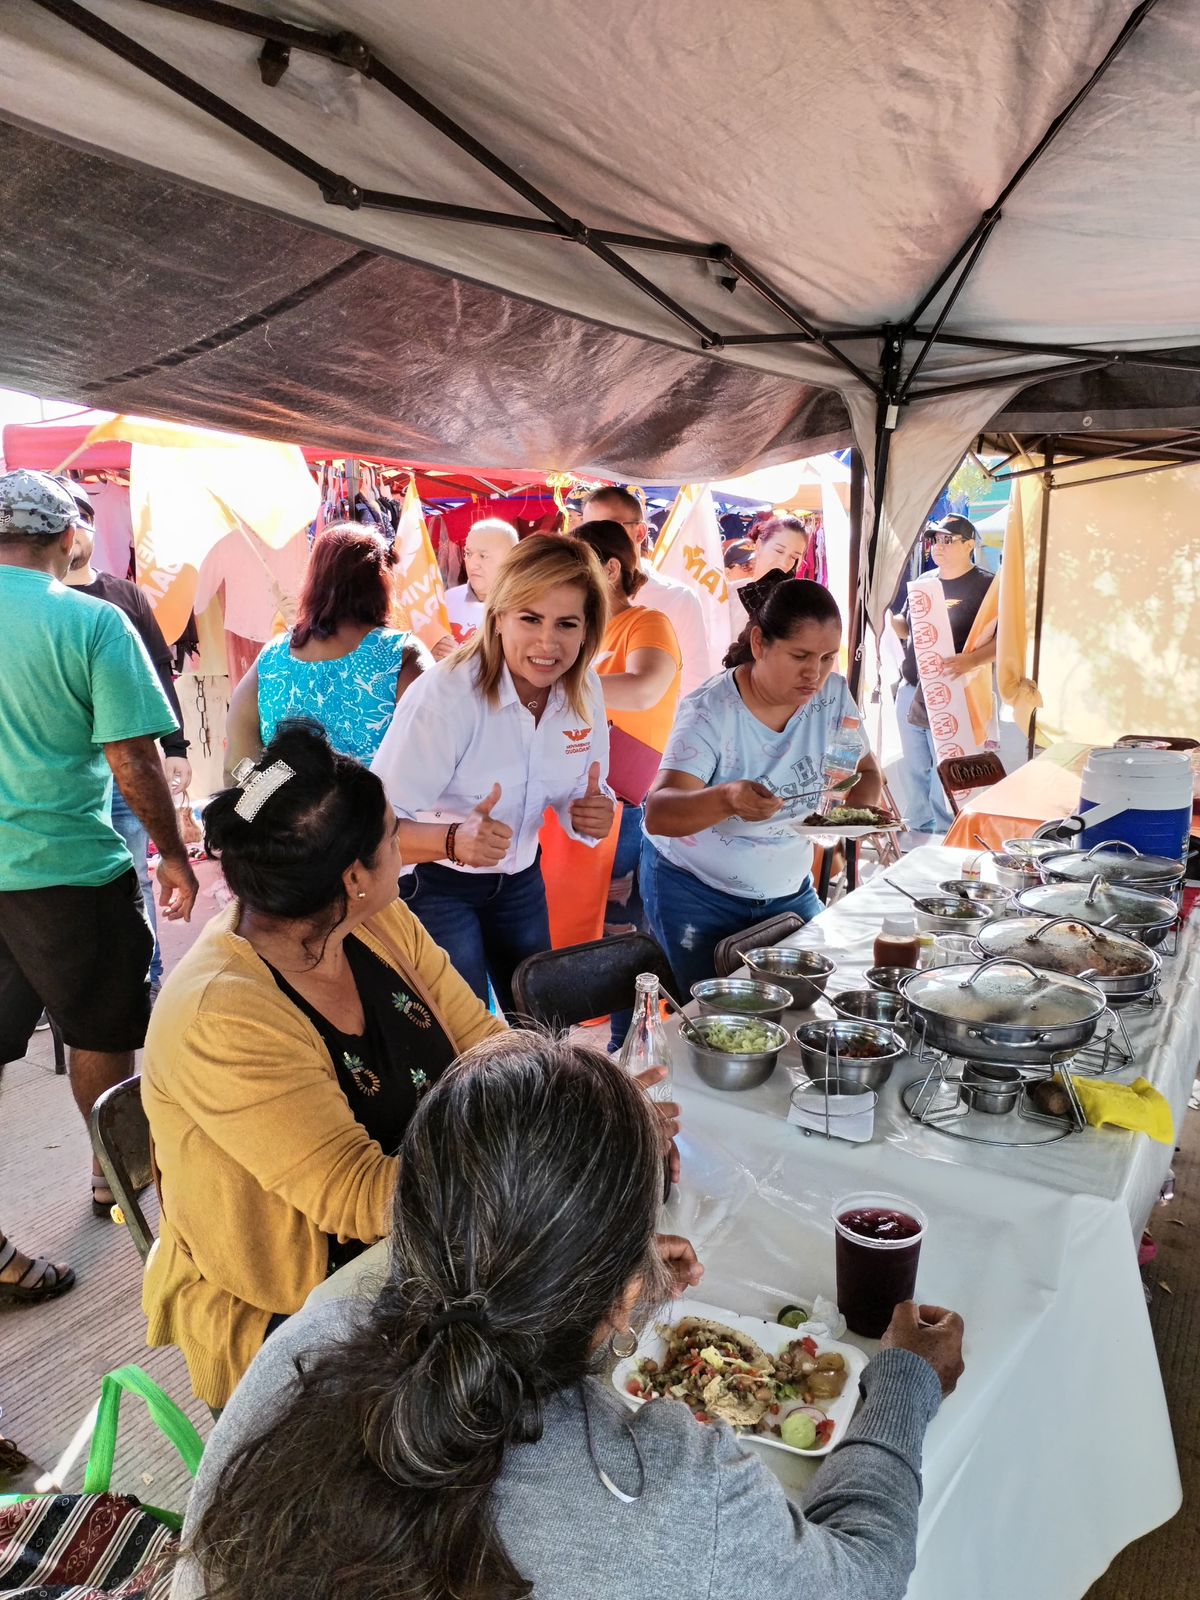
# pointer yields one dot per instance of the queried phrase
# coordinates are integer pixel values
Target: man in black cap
(80, 706)
(951, 543)
(133, 601)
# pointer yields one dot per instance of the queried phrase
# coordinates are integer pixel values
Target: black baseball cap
(958, 527)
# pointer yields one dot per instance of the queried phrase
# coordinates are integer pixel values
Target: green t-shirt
(74, 676)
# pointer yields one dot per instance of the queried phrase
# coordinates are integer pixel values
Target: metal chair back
(561, 988)
(121, 1140)
(961, 774)
(727, 956)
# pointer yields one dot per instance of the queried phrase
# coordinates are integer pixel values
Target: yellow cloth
(259, 1156)
(189, 487)
(1137, 1106)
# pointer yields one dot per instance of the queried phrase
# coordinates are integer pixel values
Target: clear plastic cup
(878, 1242)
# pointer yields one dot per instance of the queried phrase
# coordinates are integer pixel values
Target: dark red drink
(878, 1245)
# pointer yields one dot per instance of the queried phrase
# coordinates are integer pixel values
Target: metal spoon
(685, 1022)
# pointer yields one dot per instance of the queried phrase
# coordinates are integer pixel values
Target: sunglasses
(947, 538)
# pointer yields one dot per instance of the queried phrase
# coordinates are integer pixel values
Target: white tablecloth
(1124, 1167)
(1056, 1450)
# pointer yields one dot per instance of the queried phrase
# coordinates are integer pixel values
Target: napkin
(1137, 1106)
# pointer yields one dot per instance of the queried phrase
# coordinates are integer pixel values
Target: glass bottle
(646, 1042)
(646, 1046)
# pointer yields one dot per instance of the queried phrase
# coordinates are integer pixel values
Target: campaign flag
(689, 550)
(420, 593)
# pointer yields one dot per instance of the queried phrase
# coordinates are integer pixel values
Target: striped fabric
(84, 1547)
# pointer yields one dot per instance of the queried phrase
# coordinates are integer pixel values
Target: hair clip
(260, 787)
(242, 771)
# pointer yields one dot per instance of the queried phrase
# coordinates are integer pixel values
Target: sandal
(41, 1281)
(102, 1208)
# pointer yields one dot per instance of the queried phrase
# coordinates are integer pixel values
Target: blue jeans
(689, 918)
(625, 862)
(926, 804)
(486, 922)
(137, 841)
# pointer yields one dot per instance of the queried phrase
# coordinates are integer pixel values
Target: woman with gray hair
(455, 1439)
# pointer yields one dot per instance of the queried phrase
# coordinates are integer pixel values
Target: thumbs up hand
(481, 841)
(592, 812)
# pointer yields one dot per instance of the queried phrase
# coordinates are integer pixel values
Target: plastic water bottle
(646, 1042)
(842, 755)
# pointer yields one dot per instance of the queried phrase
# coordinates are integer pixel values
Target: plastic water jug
(1143, 797)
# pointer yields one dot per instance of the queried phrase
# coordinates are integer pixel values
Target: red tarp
(45, 446)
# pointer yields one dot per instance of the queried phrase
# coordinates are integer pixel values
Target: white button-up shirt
(447, 746)
(682, 607)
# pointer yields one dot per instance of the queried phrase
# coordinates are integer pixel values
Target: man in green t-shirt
(80, 704)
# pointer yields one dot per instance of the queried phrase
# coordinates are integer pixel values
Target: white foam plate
(774, 1338)
(832, 831)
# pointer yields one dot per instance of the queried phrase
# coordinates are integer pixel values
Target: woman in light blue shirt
(340, 664)
(751, 755)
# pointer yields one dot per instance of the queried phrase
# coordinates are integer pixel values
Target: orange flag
(420, 593)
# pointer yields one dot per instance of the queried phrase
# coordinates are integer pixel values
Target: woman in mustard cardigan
(285, 1056)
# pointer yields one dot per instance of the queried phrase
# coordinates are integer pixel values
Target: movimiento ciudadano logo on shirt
(578, 740)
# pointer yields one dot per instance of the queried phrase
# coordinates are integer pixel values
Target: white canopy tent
(487, 232)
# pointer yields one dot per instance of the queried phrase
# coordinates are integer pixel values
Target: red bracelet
(450, 832)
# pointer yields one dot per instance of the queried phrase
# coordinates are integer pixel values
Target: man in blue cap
(80, 706)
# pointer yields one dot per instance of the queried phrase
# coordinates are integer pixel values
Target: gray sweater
(712, 1523)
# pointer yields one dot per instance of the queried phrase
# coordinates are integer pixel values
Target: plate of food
(848, 822)
(776, 1384)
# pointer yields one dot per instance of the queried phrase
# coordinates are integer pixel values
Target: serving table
(1056, 1450)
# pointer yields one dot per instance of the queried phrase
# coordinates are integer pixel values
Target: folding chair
(1173, 741)
(961, 774)
(560, 988)
(121, 1140)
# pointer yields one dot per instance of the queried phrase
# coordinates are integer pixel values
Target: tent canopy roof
(320, 278)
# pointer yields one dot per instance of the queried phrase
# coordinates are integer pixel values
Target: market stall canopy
(318, 226)
(58, 442)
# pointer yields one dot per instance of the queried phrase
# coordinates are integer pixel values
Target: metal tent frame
(891, 373)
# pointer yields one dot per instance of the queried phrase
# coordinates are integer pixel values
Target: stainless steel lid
(1004, 993)
(1115, 864)
(1098, 901)
(1067, 947)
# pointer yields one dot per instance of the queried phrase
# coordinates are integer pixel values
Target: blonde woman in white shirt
(509, 726)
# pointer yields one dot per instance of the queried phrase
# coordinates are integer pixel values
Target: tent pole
(887, 415)
(1138, 472)
(858, 484)
(1040, 604)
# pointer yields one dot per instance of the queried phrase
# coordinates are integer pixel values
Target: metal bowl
(884, 1006)
(803, 973)
(888, 978)
(949, 913)
(984, 894)
(991, 1086)
(745, 995)
(1015, 873)
(723, 1069)
(826, 1049)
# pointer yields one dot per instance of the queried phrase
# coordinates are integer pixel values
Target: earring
(623, 1345)
(362, 894)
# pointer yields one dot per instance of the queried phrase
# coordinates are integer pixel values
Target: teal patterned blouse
(353, 698)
